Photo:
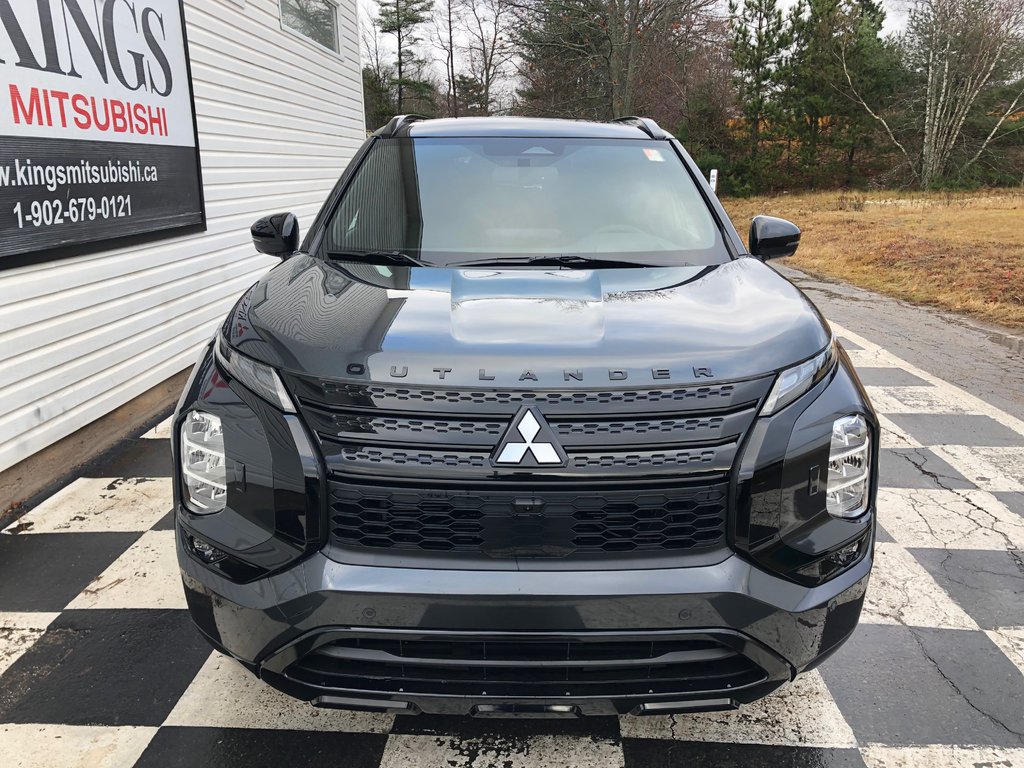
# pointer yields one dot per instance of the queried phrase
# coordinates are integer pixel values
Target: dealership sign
(97, 126)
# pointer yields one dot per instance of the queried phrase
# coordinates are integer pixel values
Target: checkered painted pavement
(100, 666)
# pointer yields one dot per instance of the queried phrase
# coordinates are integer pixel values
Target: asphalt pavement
(100, 666)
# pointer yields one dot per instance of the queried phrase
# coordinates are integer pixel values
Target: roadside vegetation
(816, 94)
(953, 250)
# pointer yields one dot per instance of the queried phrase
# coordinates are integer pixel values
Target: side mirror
(276, 235)
(772, 238)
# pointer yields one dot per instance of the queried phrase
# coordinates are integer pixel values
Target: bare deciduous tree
(958, 49)
(378, 77)
(606, 39)
(489, 48)
(443, 37)
(961, 45)
(370, 36)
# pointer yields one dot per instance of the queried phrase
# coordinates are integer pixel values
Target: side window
(316, 20)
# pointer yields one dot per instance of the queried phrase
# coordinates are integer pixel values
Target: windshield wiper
(371, 257)
(572, 261)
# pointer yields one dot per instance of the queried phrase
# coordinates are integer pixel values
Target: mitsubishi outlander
(521, 427)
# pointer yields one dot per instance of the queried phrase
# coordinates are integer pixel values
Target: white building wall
(278, 118)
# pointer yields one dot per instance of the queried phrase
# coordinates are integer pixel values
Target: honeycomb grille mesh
(380, 394)
(562, 524)
(617, 428)
(397, 458)
(384, 425)
(394, 460)
(646, 459)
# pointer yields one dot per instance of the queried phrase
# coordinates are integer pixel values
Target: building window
(313, 19)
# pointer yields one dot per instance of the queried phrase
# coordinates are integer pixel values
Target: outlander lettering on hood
(537, 374)
(519, 374)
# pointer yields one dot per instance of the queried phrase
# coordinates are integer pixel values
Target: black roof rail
(645, 124)
(397, 123)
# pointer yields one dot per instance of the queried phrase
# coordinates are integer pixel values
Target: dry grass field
(959, 251)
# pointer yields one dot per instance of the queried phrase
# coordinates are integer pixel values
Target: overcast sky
(895, 12)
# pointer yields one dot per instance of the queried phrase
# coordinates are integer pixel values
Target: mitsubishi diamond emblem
(529, 442)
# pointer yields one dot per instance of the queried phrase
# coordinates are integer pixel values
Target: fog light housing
(203, 465)
(847, 555)
(834, 563)
(849, 465)
(205, 551)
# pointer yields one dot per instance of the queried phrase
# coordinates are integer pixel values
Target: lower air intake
(526, 665)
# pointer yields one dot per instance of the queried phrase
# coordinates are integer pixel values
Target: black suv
(523, 428)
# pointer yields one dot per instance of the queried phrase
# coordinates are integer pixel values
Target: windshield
(448, 201)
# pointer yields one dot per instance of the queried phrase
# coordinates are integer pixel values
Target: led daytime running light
(793, 382)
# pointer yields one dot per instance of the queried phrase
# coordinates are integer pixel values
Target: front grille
(389, 431)
(509, 523)
(390, 396)
(526, 665)
(410, 468)
(681, 428)
(370, 460)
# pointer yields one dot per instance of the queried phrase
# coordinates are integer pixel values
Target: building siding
(278, 119)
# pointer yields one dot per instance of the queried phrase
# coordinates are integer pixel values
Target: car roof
(526, 127)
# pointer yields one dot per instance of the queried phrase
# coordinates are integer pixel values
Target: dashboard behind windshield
(452, 200)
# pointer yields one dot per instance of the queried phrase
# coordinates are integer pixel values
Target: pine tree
(378, 97)
(401, 18)
(472, 96)
(759, 43)
(812, 99)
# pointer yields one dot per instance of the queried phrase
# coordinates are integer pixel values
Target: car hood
(538, 327)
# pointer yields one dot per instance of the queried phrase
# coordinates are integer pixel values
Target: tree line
(817, 97)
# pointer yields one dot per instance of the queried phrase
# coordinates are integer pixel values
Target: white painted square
(879, 356)
(802, 713)
(18, 632)
(894, 436)
(101, 504)
(914, 399)
(901, 591)
(499, 750)
(865, 358)
(63, 746)
(161, 431)
(989, 468)
(941, 756)
(145, 576)
(226, 695)
(1011, 642)
(958, 519)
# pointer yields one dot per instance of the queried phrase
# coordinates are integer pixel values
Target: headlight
(260, 378)
(202, 462)
(848, 467)
(794, 381)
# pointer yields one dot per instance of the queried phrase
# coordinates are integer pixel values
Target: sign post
(98, 141)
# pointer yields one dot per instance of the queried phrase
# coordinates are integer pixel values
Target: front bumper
(769, 624)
